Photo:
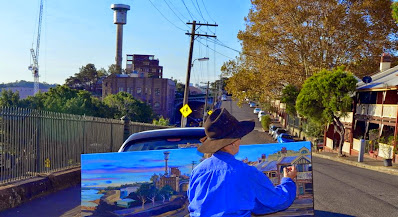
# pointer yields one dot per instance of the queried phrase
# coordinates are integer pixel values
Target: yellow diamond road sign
(209, 112)
(185, 110)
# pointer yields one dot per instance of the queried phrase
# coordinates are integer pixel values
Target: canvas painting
(155, 183)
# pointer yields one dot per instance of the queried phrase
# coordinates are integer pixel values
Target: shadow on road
(51, 205)
(320, 213)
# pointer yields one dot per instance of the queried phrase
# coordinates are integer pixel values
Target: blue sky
(75, 33)
(119, 168)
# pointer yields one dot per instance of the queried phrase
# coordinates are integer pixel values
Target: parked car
(272, 129)
(170, 138)
(224, 97)
(278, 132)
(252, 104)
(260, 114)
(256, 110)
(284, 137)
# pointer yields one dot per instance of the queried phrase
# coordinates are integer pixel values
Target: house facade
(140, 65)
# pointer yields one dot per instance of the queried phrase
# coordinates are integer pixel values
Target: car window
(281, 131)
(158, 144)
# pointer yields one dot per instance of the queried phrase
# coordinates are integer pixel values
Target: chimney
(263, 157)
(385, 62)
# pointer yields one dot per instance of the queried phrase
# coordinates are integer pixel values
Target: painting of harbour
(155, 183)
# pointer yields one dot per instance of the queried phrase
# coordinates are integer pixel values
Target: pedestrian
(224, 186)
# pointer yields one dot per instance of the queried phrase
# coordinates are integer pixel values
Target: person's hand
(290, 172)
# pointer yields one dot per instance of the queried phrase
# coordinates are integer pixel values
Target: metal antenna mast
(35, 55)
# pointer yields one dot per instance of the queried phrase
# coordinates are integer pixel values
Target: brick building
(143, 66)
(159, 93)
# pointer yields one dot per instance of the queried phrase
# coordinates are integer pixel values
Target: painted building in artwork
(301, 159)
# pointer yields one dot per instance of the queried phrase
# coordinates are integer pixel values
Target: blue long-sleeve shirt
(224, 186)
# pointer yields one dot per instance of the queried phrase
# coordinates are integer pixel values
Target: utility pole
(205, 108)
(186, 90)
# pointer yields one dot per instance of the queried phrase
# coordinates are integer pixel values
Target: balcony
(377, 110)
(304, 175)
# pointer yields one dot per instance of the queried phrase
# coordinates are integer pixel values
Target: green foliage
(9, 98)
(394, 12)
(29, 84)
(265, 122)
(162, 121)
(86, 79)
(289, 96)
(125, 105)
(114, 69)
(313, 129)
(326, 95)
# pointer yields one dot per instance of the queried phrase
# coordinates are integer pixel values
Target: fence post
(126, 127)
(38, 148)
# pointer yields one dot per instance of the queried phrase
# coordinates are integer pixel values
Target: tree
(180, 88)
(289, 96)
(166, 192)
(9, 98)
(285, 42)
(143, 192)
(114, 69)
(161, 121)
(326, 97)
(153, 193)
(125, 104)
(87, 79)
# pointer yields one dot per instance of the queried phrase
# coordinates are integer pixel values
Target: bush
(265, 122)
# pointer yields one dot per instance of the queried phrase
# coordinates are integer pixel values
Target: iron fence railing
(34, 142)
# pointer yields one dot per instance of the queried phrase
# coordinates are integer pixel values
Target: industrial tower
(34, 67)
(119, 18)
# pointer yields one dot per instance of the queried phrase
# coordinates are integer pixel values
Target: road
(339, 190)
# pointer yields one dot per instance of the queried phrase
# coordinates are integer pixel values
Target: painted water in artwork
(155, 183)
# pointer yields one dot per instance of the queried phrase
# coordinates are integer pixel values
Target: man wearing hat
(224, 186)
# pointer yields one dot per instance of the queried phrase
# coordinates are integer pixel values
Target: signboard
(185, 110)
(147, 183)
(210, 112)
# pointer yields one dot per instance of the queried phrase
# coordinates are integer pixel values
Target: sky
(75, 33)
(108, 169)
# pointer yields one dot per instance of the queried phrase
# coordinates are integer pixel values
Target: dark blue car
(284, 137)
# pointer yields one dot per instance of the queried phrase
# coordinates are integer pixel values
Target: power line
(200, 12)
(165, 17)
(215, 50)
(207, 11)
(189, 12)
(171, 3)
(174, 12)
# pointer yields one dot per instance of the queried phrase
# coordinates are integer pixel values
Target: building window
(157, 91)
(146, 63)
(156, 105)
(128, 90)
(129, 62)
(120, 89)
(153, 70)
(129, 57)
(139, 90)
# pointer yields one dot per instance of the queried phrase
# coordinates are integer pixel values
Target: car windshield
(158, 144)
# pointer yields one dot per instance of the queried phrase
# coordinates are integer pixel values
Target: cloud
(124, 170)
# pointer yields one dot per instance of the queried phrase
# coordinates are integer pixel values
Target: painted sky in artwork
(114, 169)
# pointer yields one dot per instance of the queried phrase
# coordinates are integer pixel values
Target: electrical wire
(189, 12)
(215, 50)
(200, 12)
(171, 3)
(166, 17)
(174, 12)
(207, 12)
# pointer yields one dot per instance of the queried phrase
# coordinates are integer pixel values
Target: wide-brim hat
(222, 129)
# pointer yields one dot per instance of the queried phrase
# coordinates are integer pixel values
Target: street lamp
(200, 59)
(186, 91)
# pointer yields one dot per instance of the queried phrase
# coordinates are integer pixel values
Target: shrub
(265, 122)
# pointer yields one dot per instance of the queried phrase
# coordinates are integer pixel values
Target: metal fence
(34, 142)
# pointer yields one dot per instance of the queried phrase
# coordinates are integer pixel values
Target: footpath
(368, 162)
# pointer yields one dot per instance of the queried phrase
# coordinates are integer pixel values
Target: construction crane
(35, 54)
